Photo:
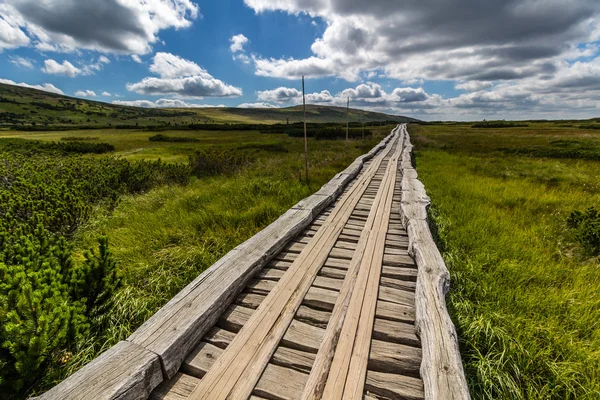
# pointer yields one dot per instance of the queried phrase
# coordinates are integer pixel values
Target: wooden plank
(299, 335)
(125, 371)
(276, 382)
(342, 371)
(441, 368)
(394, 386)
(256, 342)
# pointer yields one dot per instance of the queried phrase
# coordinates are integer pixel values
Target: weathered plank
(441, 368)
(126, 371)
(346, 369)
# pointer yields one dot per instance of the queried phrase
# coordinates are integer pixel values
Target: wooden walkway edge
(441, 368)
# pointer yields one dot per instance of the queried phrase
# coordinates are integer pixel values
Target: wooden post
(363, 130)
(347, 117)
(305, 138)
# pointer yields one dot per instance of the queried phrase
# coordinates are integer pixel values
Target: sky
(428, 59)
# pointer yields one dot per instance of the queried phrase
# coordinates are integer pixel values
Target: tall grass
(525, 297)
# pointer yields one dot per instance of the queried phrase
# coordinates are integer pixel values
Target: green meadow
(525, 293)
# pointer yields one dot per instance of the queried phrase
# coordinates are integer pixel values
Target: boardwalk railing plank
(441, 368)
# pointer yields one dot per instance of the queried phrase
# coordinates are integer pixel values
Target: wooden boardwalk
(330, 314)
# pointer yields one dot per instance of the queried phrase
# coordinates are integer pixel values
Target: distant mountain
(26, 107)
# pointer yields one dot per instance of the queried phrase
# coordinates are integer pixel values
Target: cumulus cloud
(11, 36)
(118, 26)
(22, 62)
(257, 105)
(285, 95)
(168, 65)
(66, 68)
(178, 76)
(106, 94)
(474, 86)
(163, 103)
(461, 40)
(136, 58)
(47, 87)
(237, 43)
(85, 93)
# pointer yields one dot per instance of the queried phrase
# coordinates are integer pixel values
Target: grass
(525, 297)
(163, 239)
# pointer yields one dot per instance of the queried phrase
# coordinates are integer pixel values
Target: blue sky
(449, 59)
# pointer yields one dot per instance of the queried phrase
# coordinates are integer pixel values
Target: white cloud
(237, 43)
(257, 105)
(66, 68)
(22, 62)
(46, 87)
(242, 57)
(163, 103)
(106, 94)
(136, 58)
(284, 95)
(181, 77)
(117, 26)
(11, 36)
(103, 60)
(85, 93)
(474, 86)
(168, 65)
(280, 95)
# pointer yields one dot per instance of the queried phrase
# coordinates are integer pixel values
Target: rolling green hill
(25, 107)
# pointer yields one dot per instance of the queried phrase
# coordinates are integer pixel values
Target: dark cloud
(105, 25)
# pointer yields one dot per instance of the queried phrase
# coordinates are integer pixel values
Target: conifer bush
(48, 300)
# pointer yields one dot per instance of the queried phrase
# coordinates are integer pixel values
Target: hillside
(25, 107)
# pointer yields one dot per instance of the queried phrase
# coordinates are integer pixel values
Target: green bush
(49, 302)
(586, 225)
(65, 147)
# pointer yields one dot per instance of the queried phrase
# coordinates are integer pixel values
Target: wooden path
(331, 313)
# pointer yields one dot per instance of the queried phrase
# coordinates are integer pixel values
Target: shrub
(48, 300)
(586, 225)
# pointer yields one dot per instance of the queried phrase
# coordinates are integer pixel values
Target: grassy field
(135, 144)
(525, 296)
(164, 238)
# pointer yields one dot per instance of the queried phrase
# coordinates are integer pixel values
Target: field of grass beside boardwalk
(163, 239)
(525, 296)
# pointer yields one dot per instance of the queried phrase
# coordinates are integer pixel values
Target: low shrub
(37, 147)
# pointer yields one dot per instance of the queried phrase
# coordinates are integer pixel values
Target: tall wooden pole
(305, 138)
(347, 117)
(363, 130)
